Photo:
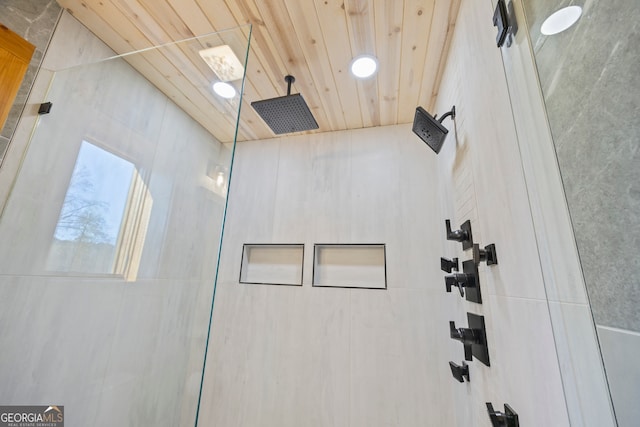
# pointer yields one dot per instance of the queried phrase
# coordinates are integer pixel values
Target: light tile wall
(113, 351)
(324, 356)
(291, 356)
(482, 179)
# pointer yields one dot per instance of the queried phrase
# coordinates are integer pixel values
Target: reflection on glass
(97, 221)
(216, 179)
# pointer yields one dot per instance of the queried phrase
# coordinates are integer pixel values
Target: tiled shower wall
(481, 179)
(319, 356)
(364, 357)
(34, 21)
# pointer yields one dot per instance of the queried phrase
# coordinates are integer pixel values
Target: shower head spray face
(429, 129)
(286, 114)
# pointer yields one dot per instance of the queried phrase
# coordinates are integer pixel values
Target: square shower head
(429, 129)
(286, 114)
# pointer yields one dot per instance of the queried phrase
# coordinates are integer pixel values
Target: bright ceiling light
(561, 20)
(364, 66)
(223, 62)
(225, 90)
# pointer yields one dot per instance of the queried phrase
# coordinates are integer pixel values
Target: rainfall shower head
(286, 114)
(431, 130)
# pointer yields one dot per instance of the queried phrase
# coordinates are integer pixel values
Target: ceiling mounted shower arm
(290, 80)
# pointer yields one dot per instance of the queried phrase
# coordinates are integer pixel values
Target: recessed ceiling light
(561, 20)
(225, 90)
(364, 66)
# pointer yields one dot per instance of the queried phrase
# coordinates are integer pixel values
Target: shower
(286, 114)
(429, 129)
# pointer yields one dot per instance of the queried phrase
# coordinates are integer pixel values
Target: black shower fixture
(430, 129)
(504, 18)
(460, 372)
(286, 114)
(45, 108)
(468, 280)
(448, 265)
(488, 254)
(508, 418)
(473, 338)
(463, 235)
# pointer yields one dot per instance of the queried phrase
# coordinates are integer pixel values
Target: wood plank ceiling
(314, 40)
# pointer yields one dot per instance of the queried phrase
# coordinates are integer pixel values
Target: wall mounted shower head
(429, 129)
(286, 114)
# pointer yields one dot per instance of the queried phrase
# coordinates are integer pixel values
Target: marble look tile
(34, 20)
(593, 114)
(623, 375)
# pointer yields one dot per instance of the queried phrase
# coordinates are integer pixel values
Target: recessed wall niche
(272, 264)
(350, 266)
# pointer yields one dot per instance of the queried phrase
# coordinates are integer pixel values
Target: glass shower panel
(574, 95)
(589, 80)
(115, 224)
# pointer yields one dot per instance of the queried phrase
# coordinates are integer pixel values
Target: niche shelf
(272, 264)
(350, 266)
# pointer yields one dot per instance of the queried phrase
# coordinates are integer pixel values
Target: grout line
(518, 298)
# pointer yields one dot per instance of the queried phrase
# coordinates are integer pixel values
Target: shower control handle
(463, 235)
(465, 335)
(508, 418)
(460, 372)
(457, 235)
(447, 265)
(488, 254)
(461, 280)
